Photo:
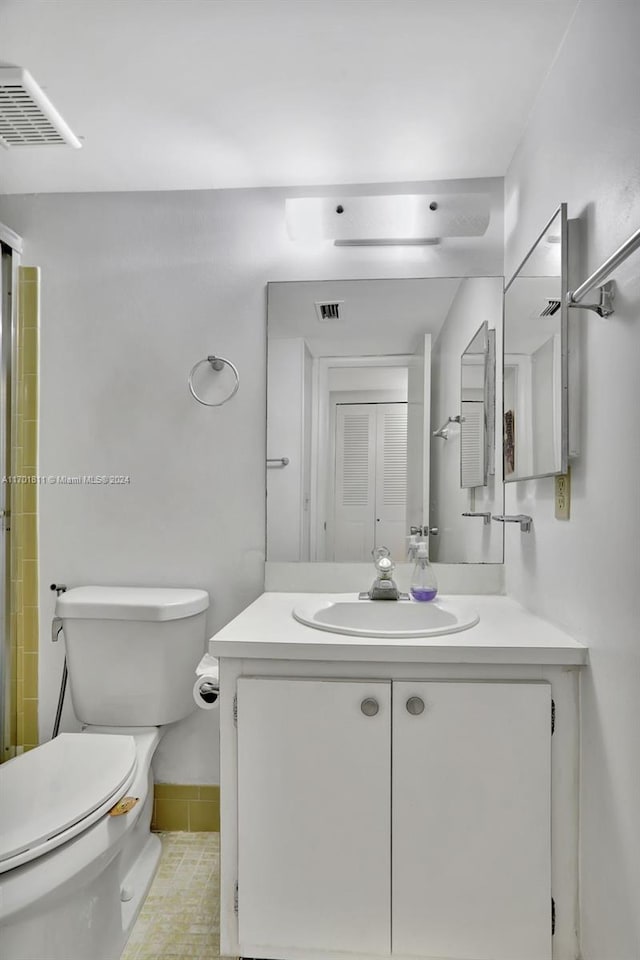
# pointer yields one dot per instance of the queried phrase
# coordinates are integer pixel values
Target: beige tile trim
(190, 807)
(23, 537)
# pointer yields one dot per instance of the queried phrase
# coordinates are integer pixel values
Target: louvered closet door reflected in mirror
(369, 481)
(472, 446)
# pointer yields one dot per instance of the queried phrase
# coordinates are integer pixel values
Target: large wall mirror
(361, 375)
(536, 359)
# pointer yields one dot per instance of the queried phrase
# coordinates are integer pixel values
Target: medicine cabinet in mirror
(536, 359)
(478, 408)
(360, 375)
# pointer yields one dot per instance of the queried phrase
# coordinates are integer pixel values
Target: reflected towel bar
(486, 516)
(521, 518)
(443, 432)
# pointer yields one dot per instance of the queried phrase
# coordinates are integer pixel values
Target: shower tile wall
(23, 560)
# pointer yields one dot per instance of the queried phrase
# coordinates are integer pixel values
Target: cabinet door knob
(369, 707)
(415, 706)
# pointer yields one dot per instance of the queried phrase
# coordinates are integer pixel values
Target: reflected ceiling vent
(329, 310)
(552, 307)
(27, 116)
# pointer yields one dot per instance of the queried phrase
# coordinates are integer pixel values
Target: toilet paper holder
(208, 691)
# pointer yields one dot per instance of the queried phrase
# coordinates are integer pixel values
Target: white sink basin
(386, 618)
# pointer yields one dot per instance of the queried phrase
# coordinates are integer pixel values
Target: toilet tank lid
(130, 603)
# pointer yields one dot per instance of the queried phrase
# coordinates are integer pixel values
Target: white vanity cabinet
(398, 800)
(402, 818)
(314, 806)
(471, 820)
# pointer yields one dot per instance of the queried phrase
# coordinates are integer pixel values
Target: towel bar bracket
(604, 308)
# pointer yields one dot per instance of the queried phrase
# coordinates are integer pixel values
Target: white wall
(545, 408)
(348, 379)
(477, 300)
(582, 145)
(136, 288)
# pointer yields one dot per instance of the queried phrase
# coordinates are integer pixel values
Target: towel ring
(217, 364)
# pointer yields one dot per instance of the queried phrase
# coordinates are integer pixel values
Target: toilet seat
(55, 792)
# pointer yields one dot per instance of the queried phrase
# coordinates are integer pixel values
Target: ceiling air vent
(330, 310)
(27, 116)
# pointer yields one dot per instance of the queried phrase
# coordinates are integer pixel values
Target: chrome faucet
(383, 587)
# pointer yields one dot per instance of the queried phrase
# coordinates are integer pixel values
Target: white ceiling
(188, 94)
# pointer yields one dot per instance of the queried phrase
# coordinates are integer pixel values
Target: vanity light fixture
(388, 220)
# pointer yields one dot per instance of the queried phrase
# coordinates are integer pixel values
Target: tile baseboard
(186, 807)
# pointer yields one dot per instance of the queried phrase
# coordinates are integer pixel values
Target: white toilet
(72, 876)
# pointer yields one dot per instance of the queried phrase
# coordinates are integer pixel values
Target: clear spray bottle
(424, 585)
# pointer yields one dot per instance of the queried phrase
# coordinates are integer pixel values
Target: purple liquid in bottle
(423, 593)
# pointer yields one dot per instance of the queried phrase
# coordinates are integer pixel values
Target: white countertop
(506, 633)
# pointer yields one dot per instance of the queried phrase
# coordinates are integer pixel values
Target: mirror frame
(564, 345)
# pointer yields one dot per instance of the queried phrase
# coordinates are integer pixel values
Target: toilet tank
(132, 652)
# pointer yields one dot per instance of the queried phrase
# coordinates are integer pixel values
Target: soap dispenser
(412, 546)
(424, 585)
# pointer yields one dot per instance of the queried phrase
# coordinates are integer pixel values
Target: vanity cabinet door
(314, 794)
(471, 820)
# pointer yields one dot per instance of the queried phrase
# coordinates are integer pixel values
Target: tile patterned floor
(181, 915)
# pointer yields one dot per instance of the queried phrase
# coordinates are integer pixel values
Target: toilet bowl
(74, 871)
